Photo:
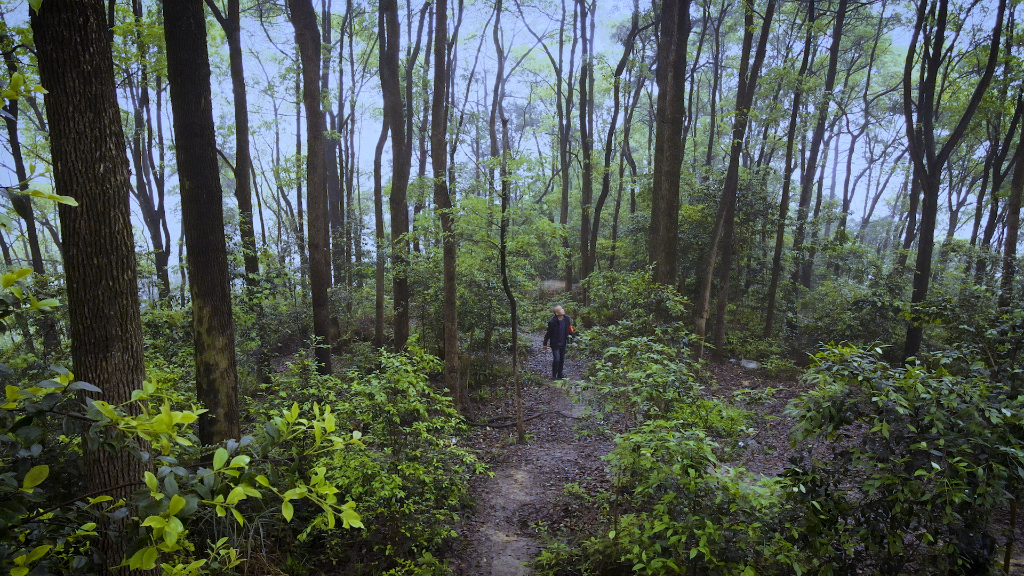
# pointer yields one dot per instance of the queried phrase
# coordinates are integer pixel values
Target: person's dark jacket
(558, 332)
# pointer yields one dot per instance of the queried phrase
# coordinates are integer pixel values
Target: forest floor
(523, 499)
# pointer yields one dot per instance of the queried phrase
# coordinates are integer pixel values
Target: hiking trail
(516, 506)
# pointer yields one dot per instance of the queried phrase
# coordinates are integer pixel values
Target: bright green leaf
(36, 476)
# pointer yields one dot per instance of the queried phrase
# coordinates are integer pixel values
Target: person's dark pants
(557, 360)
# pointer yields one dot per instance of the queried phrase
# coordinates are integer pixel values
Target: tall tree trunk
(716, 78)
(787, 182)
(202, 218)
(394, 114)
(606, 173)
(801, 270)
(150, 204)
(232, 25)
(674, 23)
(928, 157)
(381, 248)
(1012, 226)
(307, 37)
(445, 209)
(22, 205)
(300, 226)
(87, 145)
(564, 136)
(724, 224)
(586, 141)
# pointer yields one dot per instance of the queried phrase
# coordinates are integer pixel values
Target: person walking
(560, 329)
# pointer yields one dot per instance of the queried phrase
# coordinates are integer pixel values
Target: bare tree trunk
(674, 22)
(787, 182)
(394, 114)
(307, 37)
(724, 225)
(586, 141)
(801, 268)
(243, 158)
(22, 205)
(87, 144)
(300, 226)
(445, 209)
(378, 218)
(1012, 227)
(202, 215)
(606, 174)
(929, 159)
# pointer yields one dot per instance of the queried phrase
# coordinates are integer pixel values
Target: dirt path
(524, 497)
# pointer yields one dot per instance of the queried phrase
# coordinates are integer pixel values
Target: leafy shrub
(846, 311)
(639, 376)
(185, 492)
(902, 467)
(409, 473)
(631, 296)
(691, 514)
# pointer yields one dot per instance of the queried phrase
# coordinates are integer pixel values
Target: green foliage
(934, 455)
(630, 296)
(640, 375)
(409, 473)
(242, 476)
(847, 311)
(691, 514)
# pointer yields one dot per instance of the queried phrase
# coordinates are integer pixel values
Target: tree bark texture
(378, 219)
(674, 22)
(87, 144)
(586, 142)
(1012, 226)
(930, 157)
(202, 218)
(744, 101)
(243, 157)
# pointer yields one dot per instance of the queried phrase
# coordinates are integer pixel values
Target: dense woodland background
(261, 258)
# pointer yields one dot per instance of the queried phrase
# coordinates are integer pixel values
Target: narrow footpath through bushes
(524, 498)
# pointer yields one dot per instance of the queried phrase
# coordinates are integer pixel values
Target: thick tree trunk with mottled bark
(87, 144)
(202, 218)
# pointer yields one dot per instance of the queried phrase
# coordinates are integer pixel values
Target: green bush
(688, 513)
(902, 468)
(640, 376)
(409, 474)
